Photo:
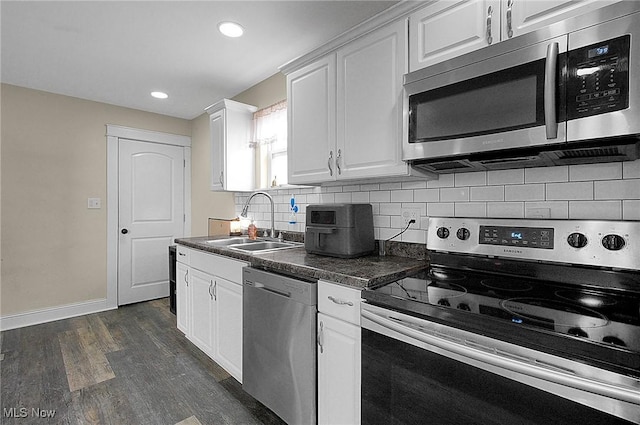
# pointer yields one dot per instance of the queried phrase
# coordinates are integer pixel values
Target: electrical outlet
(94, 203)
(409, 214)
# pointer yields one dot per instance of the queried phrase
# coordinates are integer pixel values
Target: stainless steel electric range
(516, 321)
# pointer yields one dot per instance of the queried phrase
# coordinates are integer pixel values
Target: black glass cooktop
(586, 322)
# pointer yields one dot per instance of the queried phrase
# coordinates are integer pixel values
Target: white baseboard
(50, 314)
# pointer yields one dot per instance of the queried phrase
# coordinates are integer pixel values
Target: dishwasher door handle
(259, 285)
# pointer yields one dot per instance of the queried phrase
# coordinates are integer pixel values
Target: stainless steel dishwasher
(279, 349)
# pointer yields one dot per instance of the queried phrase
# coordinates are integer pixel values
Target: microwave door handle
(550, 86)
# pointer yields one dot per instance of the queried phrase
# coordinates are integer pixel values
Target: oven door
(418, 371)
(508, 101)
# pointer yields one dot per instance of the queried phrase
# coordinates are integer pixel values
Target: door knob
(124, 231)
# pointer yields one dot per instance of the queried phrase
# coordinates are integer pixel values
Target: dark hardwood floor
(125, 366)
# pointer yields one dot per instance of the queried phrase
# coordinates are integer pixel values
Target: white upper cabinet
(523, 16)
(232, 157)
(311, 111)
(369, 104)
(449, 28)
(345, 110)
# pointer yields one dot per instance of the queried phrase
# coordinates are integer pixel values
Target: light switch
(94, 203)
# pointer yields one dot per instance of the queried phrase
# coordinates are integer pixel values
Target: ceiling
(117, 52)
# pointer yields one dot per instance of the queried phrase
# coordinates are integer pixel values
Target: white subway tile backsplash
(415, 184)
(631, 169)
(487, 193)
(343, 198)
(402, 196)
(390, 209)
(505, 177)
(600, 191)
(557, 209)
(570, 191)
(546, 174)
(444, 180)
(470, 179)
(360, 197)
(415, 236)
(470, 209)
(445, 209)
(595, 210)
(631, 210)
(607, 171)
(426, 195)
(505, 209)
(454, 194)
(380, 196)
(524, 192)
(617, 189)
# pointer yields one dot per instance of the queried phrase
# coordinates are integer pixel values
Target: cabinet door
(311, 111)
(217, 129)
(228, 326)
(447, 29)
(182, 297)
(369, 104)
(202, 310)
(338, 371)
(522, 16)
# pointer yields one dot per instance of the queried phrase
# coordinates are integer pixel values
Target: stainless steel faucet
(246, 208)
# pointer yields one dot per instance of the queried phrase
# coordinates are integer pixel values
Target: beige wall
(265, 93)
(53, 157)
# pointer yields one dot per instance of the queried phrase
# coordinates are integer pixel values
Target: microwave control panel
(598, 78)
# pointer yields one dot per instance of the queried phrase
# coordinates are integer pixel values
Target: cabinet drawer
(339, 301)
(183, 254)
(217, 265)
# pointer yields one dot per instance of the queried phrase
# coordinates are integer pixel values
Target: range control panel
(528, 237)
(614, 244)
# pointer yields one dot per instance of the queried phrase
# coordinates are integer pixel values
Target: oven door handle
(489, 356)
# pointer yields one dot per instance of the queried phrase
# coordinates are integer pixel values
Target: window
(271, 145)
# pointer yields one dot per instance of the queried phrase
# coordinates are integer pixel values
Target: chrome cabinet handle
(215, 290)
(338, 161)
(222, 178)
(185, 277)
(550, 120)
(321, 338)
(489, 37)
(210, 286)
(182, 254)
(509, 23)
(340, 302)
(329, 163)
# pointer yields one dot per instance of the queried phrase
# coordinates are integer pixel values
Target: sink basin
(231, 241)
(259, 246)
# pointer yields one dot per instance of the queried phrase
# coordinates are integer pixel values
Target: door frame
(114, 134)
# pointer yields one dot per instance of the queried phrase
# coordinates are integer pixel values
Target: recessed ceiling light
(230, 29)
(159, 95)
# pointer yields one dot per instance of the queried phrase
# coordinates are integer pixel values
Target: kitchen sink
(256, 246)
(252, 245)
(231, 241)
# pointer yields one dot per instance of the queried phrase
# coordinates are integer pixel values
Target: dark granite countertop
(363, 272)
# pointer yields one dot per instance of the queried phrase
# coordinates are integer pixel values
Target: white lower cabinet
(339, 358)
(209, 306)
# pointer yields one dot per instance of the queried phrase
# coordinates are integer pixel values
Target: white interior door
(151, 215)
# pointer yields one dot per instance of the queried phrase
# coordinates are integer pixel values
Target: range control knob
(442, 232)
(464, 306)
(577, 240)
(463, 233)
(613, 242)
(614, 341)
(578, 332)
(445, 302)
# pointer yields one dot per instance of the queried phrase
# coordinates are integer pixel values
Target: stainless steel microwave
(565, 94)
